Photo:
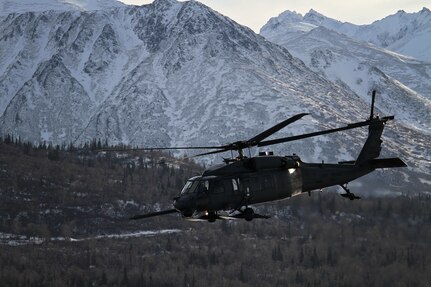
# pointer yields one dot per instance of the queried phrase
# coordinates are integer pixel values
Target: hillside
(63, 224)
(84, 190)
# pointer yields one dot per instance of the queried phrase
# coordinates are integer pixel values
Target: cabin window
(235, 184)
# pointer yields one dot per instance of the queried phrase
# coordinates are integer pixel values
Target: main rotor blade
(275, 128)
(221, 148)
(214, 152)
(159, 148)
(314, 134)
(157, 213)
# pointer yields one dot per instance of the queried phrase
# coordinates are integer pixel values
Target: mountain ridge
(400, 32)
(358, 65)
(23, 6)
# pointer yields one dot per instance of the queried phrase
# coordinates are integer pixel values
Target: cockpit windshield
(195, 185)
(188, 185)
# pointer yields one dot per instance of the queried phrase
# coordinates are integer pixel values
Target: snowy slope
(404, 84)
(140, 70)
(405, 33)
(22, 6)
(174, 73)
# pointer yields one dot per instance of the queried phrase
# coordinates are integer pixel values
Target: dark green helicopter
(243, 181)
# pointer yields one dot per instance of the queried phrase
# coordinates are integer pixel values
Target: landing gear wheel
(248, 214)
(187, 213)
(212, 216)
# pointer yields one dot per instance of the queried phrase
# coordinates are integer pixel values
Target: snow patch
(18, 240)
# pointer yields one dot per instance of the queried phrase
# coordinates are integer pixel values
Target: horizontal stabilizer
(387, 162)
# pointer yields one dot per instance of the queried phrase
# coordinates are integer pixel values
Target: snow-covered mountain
(403, 83)
(405, 33)
(175, 73)
(22, 6)
(140, 74)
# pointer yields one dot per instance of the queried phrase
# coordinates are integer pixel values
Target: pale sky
(255, 13)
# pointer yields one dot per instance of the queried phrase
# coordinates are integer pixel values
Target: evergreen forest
(64, 222)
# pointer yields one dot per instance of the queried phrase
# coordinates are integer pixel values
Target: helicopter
(242, 181)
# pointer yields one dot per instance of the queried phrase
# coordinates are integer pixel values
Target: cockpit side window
(194, 186)
(204, 186)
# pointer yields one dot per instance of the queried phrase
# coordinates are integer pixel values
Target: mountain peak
(312, 11)
(292, 15)
(284, 19)
(316, 18)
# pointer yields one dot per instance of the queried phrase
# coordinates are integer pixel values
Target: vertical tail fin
(373, 145)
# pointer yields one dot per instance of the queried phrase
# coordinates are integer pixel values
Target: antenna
(373, 97)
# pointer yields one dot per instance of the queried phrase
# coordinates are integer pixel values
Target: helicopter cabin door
(224, 194)
(259, 188)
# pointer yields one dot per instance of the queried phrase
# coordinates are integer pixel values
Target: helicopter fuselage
(244, 181)
(260, 179)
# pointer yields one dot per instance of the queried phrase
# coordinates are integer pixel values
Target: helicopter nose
(180, 203)
(184, 206)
